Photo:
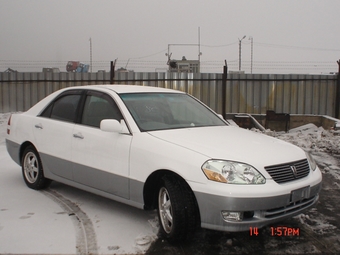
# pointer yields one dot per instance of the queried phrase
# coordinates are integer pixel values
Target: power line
(271, 45)
(152, 65)
(147, 56)
(292, 47)
(219, 46)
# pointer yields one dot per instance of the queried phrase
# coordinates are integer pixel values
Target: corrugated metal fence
(245, 93)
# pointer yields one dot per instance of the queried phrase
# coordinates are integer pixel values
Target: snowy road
(65, 220)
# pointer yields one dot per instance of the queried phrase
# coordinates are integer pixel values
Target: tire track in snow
(86, 241)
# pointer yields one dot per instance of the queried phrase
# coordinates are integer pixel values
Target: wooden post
(337, 99)
(112, 71)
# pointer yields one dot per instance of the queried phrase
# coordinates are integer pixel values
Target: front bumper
(258, 212)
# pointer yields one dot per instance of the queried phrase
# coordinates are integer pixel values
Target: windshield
(159, 111)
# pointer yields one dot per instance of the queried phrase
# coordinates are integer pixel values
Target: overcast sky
(289, 36)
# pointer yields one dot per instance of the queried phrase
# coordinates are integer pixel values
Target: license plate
(300, 194)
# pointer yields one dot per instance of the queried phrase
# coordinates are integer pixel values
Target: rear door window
(64, 108)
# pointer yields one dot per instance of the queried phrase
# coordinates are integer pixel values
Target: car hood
(233, 143)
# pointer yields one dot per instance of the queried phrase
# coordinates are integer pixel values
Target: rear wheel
(32, 169)
(177, 211)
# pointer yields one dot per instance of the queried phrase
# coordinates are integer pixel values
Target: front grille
(289, 171)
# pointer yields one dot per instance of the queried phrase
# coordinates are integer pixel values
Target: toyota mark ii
(162, 149)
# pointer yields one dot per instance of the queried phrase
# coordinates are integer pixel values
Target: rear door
(101, 159)
(53, 134)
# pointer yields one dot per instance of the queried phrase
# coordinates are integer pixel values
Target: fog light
(232, 216)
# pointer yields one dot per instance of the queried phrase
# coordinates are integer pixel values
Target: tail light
(8, 124)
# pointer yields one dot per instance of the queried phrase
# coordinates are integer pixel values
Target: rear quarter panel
(20, 131)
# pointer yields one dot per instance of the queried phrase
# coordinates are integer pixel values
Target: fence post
(224, 88)
(337, 98)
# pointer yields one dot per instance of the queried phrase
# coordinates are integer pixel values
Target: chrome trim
(289, 171)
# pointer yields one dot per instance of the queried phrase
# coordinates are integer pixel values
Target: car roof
(120, 89)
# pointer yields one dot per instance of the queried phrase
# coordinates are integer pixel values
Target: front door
(101, 159)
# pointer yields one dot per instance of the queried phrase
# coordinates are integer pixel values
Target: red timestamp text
(277, 231)
(284, 231)
(253, 231)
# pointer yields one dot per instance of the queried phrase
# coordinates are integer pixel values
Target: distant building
(184, 66)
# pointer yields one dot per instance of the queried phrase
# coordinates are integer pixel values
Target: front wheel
(177, 211)
(32, 169)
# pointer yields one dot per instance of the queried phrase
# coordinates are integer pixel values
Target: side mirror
(111, 125)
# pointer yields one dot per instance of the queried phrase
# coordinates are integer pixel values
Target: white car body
(125, 163)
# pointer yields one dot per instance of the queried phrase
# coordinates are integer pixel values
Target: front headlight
(311, 161)
(232, 172)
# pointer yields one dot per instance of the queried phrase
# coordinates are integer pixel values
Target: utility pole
(199, 49)
(91, 54)
(251, 54)
(239, 52)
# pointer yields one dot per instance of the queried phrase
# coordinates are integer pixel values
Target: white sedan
(162, 149)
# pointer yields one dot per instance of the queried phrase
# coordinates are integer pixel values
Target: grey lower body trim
(262, 211)
(56, 166)
(13, 150)
(93, 180)
(109, 185)
(102, 180)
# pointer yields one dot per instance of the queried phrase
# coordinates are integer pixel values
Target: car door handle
(38, 126)
(78, 135)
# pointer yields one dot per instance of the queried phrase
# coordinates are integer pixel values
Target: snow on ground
(49, 222)
(323, 144)
(313, 139)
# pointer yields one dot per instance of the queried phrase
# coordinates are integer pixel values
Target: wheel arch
(22, 149)
(185, 214)
(152, 185)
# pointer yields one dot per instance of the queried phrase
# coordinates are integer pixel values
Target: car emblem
(293, 168)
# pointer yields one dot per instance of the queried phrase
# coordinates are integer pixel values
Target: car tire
(177, 211)
(32, 169)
